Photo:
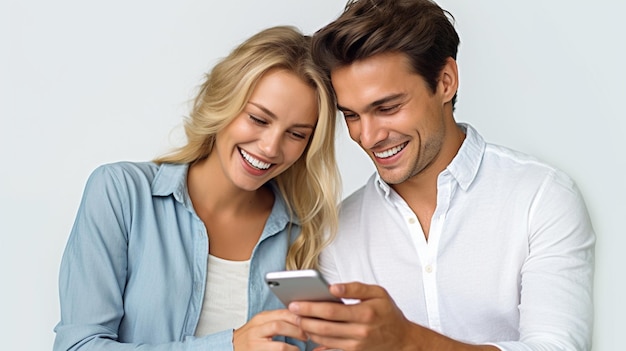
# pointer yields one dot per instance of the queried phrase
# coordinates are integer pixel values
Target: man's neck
(420, 190)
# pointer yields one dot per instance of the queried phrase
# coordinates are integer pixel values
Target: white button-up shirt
(509, 256)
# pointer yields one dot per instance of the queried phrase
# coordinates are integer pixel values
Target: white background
(84, 83)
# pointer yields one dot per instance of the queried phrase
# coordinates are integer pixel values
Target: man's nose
(370, 132)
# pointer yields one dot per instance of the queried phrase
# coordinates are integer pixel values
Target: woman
(171, 254)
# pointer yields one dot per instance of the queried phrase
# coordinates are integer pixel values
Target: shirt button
(412, 220)
(428, 269)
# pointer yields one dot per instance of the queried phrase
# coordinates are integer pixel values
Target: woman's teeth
(253, 161)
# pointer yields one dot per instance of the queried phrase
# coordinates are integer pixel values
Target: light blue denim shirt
(134, 270)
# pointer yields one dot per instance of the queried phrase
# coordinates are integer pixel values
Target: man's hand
(258, 332)
(376, 323)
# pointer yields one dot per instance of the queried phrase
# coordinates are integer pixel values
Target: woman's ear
(449, 80)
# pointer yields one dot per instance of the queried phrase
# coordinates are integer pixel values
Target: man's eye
(349, 115)
(389, 109)
(257, 120)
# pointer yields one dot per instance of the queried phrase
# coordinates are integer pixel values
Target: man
(455, 243)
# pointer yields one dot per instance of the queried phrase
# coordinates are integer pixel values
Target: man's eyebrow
(377, 103)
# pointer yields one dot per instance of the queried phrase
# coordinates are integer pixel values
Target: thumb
(359, 291)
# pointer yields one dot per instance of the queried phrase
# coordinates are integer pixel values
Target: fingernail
(294, 307)
(338, 288)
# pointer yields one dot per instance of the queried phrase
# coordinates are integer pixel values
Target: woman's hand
(258, 332)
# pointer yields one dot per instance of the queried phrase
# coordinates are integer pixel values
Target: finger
(359, 291)
(333, 343)
(265, 345)
(331, 329)
(324, 348)
(272, 328)
(337, 336)
(282, 328)
(331, 311)
(275, 315)
(268, 324)
(372, 297)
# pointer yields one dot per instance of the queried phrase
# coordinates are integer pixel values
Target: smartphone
(299, 285)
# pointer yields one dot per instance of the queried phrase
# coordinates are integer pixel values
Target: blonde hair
(311, 185)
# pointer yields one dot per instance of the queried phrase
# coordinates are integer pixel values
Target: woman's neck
(233, 217)
(210, 190)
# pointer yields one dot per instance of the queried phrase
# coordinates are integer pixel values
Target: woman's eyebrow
(264, 109)
(273, 116)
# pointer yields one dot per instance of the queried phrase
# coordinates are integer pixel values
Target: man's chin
(391, 177)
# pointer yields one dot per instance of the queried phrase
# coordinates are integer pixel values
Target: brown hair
(420, 29)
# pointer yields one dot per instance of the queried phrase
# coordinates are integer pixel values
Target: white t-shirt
(225, 303)
(509, 257)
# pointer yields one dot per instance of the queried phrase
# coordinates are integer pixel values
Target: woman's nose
(270, 142)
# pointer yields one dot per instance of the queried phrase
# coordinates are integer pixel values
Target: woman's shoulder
(123, 176)
(124, 171)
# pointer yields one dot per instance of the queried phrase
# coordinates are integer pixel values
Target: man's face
(394, 116)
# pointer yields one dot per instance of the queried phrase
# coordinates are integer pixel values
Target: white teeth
(390, 152)
(254, 162)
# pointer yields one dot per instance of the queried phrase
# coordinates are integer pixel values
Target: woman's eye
(257, 120)
(298, 135)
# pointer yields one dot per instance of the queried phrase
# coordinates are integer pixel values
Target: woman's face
(271, 133)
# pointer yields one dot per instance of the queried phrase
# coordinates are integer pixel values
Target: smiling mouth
(258, 164)
(390, 152)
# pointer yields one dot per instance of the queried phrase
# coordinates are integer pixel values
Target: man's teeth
(254, 162)
(390, 152)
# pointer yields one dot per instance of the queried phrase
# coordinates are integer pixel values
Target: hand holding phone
(299, 285)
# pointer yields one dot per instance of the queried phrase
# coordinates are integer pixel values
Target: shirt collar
(382, 185)
(464, 166)
(280, 213)
(171, 179)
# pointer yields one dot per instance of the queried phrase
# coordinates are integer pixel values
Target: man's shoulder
(502, 155)
(366, 191)
(361, 203)
(520, 166)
